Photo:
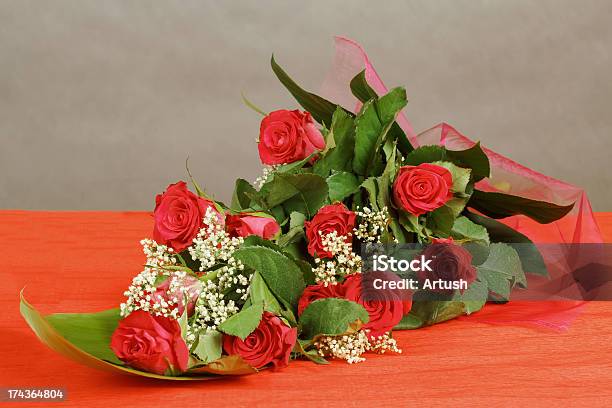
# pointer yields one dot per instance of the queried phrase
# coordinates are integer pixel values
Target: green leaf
(363, 92)
(85, 338)
(209, 346)
(361, 89)
(389, 105)
(464, 229)
(313, 355)
(244, 322)
(372, 125)
(474, 158)
(371, 188)
(342, 185)
(294, 235)
(228, 365)
(260, 293)
(530, 256)
(504, 261)
(91, 332)
(304, 193)
(479, 251)
(320, 108)
(295, 166)
(501, 205)
(281, 274)
(296, 219)
(461, 176)
(475, 297)
(430, 312)
(330, 317)
(340, 157)
(497, 283)
(409, 322)
(425, 154)
(182, 320)
(368, 129)
(441, 220)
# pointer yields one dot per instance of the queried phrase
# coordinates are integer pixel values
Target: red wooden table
(83, 261)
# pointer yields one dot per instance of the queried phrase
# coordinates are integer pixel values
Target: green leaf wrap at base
(85, 338)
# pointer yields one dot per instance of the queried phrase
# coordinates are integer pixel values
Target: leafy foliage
(85, 338)
(330, 316)
(280, 273)
(244, 322)
(501, 205)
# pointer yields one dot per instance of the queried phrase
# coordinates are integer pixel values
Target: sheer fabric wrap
(577, 227)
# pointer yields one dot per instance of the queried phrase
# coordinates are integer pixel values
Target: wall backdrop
(102, 101)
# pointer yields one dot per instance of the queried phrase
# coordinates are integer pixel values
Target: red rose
(179, 216)
(150, 343)
(385, 307)
(333, 217)
(288, 136)
(245, 224)
(187, 285)
(319, 291)
(450, 263)
(423, 188)
(271, 342)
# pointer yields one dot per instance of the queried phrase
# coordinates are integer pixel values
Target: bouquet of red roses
(280, 272)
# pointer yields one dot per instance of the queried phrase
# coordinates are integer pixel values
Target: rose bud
(245, 224)
(179, 216)
(449, 263)
(319, 291)
(288, 136)
(271, 342)
(178, 289)
(423, 188)
(448, 240)
(150, 343)
(333, 217)
(385, 307)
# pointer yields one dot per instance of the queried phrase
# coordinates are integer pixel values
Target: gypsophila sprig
(157, 255)
(343, 262)
(213, 244)
(372, 224)
(382, 344)
(214, 247)
(159, 292)
(267, 171)
(351, 347)
(140, 294)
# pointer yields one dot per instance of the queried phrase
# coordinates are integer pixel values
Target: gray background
(102, 101)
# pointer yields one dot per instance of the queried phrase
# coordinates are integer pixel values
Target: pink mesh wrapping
(579, 226)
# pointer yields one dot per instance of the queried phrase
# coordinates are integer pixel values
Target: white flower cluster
(211, 310)
(267, 171)
(140, 294)
(372, 224)
(157, 254)
(212, 243)
(214, 246)
(145, 293)
(343, 262)
(351, 347)
(382, 344)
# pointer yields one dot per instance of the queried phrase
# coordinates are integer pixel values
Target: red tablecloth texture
(83, 261)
